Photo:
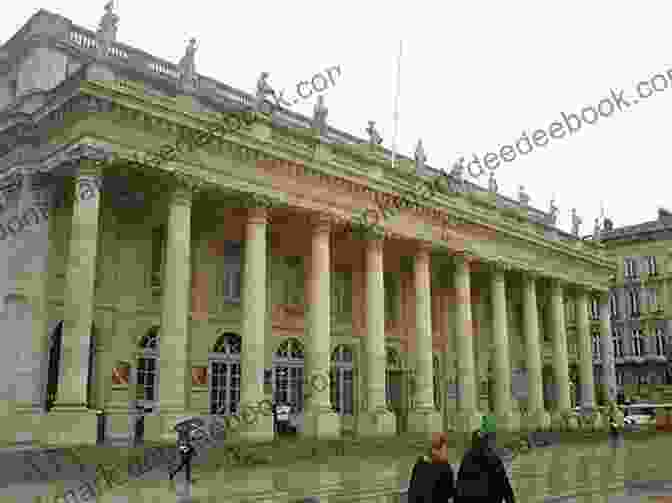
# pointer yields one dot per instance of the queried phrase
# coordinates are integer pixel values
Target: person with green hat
(482, 476)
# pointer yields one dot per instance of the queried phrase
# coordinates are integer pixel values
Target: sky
(474, 77)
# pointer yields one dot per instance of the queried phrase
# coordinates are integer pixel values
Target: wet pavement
(579, 472)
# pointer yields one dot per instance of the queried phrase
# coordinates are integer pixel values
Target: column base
(424, 421)
(508, 422)
(261, 430)
(160, 427)
(66, 426)
(468, 421)
(376, 423)
(321, 424)
(564, 420)
(537, 420)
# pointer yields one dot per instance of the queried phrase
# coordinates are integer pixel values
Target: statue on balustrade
(523, 197)
(107, 30)
(492, 183)
(374, 136)
(187, 65)
(458, 175)
(597, 229)
(553, 213)
(319, 122)
(576, 222)
(420, 158)
(263, 89)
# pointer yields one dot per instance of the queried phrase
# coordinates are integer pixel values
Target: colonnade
(321, 421)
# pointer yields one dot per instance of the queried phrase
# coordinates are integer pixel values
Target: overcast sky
(474, 77)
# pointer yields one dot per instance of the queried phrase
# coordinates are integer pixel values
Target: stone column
(585, 351)
(608, 365)
(253, 325)
(537, 417)
(70, 420)
(377, 419)
(500, 337)
(468, 417)
(424, 418)
(174, 373)
(320, 421)
(560, 358)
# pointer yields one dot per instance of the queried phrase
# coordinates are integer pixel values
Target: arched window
(288, 374)
(225, 374)
(55, 345)
(341, 380)
(148, 368)
(437, 380)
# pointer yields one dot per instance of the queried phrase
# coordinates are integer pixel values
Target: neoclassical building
(231, 274)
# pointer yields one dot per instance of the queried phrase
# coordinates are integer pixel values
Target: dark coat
(482, 478)
(431, 482)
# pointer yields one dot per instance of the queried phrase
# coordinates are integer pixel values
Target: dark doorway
(395, 398)
(55, 344)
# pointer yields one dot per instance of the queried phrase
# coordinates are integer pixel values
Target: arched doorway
(288, 363)
(224, 374)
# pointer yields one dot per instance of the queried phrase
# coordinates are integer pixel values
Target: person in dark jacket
(482, 476)
(432, 478)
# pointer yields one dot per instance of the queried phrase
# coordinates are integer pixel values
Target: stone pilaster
(174, 374)
(320, 421)
(500, 338)
(468, 417)
(608, 364)
(585, 350)
(70, 421)
(560, 358)
(537, 417)
(424, 418)
(254, 323)
(376, 419)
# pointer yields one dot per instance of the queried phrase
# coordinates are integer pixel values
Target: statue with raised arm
(420, 158)
(263, 89)
(107, 30)
(187, 64)
(597, 230)
(374, 137)
(492, 183)
(576, 222)
(523, 197)
(320, 112)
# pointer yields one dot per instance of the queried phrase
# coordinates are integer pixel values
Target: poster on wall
(120, 374)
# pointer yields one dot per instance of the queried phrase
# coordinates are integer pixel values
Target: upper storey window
(630, 267)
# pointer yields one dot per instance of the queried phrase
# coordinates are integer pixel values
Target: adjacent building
(229, 273)
(640, 304)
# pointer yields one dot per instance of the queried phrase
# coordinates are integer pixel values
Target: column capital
(257, 215)
(422, 250)
(88, 168)
(320, 222)
(498, 267)
(531, 274)
(464, 257)
(375, 244)
(557, 284)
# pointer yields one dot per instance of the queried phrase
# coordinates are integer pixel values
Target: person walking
(187, 452)
(432, 478)
(283, 417)
(482, 476)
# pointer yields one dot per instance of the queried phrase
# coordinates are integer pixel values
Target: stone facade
(237, 273)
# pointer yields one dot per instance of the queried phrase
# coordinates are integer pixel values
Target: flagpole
(396, 110)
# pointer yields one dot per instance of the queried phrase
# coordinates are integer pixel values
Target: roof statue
(523, 197)
(576, 222)
(596, 229)
(420, 158)
(458, 174)
(320, 112)
(492, 183)
(263, 89)
(374, 136)
(187, 65)
(553, 212)
(106, 34)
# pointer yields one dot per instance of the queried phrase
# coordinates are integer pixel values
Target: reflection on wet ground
(569, 472)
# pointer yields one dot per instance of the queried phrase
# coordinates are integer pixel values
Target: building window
(637, 342)
(594, 309)
(148, 372)
(630, 268)
(231, 278)
(619, 378)
(660, 342)
(651, 265)
(652, 299)
(225, 375)
(341, 380)
(288, 370)
(613, 305)
(633, 296)
(618, 342)
(597, 350)
(158, 255)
